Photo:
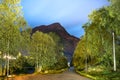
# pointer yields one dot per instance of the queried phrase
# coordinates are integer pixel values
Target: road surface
(67, 75)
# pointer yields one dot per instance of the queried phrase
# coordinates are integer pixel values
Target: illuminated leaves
(43, 49)
(11, 20)
(98, 37)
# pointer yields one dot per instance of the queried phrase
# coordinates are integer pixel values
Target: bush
(19, 65)
(60, 64)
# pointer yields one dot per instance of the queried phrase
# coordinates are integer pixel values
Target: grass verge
(104, 75)
(52, 71)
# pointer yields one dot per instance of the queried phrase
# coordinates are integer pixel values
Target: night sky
(71, 14)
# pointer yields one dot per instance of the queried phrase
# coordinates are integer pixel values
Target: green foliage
(79, 55)
(114, 9)
(11, 20)
(106, 75)
(46, 51)
(58, 41)
(61, 59)
(96, 45)
(20, 65)
(25, 41)
(43, 50)
(61, 62)
(100, 75)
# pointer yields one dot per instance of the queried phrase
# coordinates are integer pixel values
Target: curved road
(67, 75)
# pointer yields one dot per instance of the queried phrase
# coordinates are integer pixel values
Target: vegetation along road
(68, 75)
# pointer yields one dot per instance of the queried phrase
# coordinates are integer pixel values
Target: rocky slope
(69, 41)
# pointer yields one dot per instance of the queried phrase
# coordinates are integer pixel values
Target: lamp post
(114, 56)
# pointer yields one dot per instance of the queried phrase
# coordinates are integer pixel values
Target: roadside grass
(43, 72)
(104, 75)
(51, 71)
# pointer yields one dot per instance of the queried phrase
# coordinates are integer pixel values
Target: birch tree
(11, 20)
(43, 51)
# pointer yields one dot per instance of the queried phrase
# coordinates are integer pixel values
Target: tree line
(19, 49)
(100, 45)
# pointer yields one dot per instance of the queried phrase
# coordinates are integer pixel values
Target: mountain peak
(55, 24)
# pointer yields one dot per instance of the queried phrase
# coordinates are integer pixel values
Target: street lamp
(114, 56)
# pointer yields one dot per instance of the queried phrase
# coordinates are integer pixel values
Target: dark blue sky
(71, 14)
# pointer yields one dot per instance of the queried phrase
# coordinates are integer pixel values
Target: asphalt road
(67, 75)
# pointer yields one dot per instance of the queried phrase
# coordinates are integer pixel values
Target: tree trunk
(86, 65)
(8, 61)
